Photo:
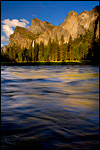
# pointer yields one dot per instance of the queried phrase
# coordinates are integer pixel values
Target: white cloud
(10, 24)
(15, 22)
(1, 45)
(4, 40)
(24, 20)
(7, 30)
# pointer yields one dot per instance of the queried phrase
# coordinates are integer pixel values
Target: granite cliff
(73, 25)
(39, 27)
(22, 37)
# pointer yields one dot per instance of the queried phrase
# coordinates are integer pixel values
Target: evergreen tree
(11, 53)
(49, 57)
(36, 51)
(70, 47)
(53, 50)
(45, 52)
(84, 47)
(41, 51)
(5, 56)
(19, 53)
(62, 48)
(32, 53)
(56, 48)
(65, 51)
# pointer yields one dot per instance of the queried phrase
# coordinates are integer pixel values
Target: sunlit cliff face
(73, 25)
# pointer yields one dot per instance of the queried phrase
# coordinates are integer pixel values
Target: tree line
(84, 47)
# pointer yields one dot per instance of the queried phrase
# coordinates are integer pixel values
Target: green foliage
(49, 50)
(62, 48)
(84, 47)
(41, 51)
(36, 51)
(70, 47)
(57, 54)
(25, 33)
(5, 56)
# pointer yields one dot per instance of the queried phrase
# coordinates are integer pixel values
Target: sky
(21, 13)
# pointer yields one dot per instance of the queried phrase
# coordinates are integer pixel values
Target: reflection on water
(50, 107)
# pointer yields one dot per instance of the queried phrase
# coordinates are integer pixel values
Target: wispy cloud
(24, 20)
(34, 15)
(8, 25)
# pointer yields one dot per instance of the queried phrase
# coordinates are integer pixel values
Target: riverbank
(48, 63)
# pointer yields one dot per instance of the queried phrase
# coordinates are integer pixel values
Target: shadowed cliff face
(73, 25)
(22, 37)
(97, 28)
(87, 19)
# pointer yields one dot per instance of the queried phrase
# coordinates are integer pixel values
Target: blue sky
(21, 13)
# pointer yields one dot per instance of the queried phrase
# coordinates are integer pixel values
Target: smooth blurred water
(50, 107)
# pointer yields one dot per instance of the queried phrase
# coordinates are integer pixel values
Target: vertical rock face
(78, 24)
(48, 26)
(38, 27)
(43, 37)
(84, 19)
(87, 19)
(55, 31)
(42, 28)
(98, 27)
(60, 31)
(73, 25)
(21, 37)
(4, 48)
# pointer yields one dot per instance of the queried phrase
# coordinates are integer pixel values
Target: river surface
(50, 107)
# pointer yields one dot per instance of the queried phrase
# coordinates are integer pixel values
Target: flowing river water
(50, 107)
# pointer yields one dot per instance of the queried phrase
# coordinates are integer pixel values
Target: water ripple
(50, 107)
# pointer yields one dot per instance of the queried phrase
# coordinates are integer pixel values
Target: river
(50, 107)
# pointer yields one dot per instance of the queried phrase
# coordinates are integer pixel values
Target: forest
(84, 47)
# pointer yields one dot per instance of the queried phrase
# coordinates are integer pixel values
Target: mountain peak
(72, 13)
(96, 9)
(36, 19)
(39, 27)
(73, 25)
(46, 22)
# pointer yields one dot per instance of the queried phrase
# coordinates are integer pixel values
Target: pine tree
(32, 53)
(70, 47)
(19, 53)
(62, 48)
(49, 57)
(41, 51)
(11, 56)
(36, 51)
(56, 47)
(65, 51)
